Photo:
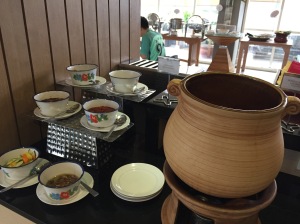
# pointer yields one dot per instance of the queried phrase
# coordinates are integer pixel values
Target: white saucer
(111, 89)
(98, 78)
(37, 111)
(137, 180)
(41, 194)
(84, 123)
(132, 199)
(5, 182)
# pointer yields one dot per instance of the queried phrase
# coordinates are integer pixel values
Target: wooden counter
(194, 47)
(244, 45)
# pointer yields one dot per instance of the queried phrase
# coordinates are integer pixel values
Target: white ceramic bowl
(54, 107)
(84, 74)
(124, 81)
(61, 193)
(101, 119)
(18, 173)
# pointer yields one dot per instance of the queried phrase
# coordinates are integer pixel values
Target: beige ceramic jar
(224, 138)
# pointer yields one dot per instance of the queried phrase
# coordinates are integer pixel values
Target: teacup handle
(292, 107)
(174, 87)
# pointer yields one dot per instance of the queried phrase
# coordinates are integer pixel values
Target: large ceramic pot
(224, 138)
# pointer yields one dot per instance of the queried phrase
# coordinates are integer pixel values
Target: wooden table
(244, 45)
(194, 47)
(222, 60)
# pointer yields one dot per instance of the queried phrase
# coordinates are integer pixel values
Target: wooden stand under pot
(211, 210)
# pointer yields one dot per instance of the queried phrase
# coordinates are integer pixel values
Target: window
(259, 20)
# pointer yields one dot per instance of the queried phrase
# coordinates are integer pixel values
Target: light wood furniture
(222, 60)
(244, 45)
(194, 47)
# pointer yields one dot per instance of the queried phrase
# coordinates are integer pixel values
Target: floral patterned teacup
(84, 74)
(97, 115)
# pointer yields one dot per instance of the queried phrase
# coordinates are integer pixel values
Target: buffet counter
(106, 208)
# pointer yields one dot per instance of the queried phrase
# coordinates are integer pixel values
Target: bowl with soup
(124, 81)
(83, 74)
(52, 103)
(101, 113)
(17, 164)
(61, 180)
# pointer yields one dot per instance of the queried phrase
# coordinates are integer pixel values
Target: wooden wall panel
(135, 29)
(75, 29)
(90, 31)
(58, 38)
(8, 128)
(40, 38)
(124, 29)
(76, 37)
(39, 45)
(114, 24)
(103, 37)
(19, 69)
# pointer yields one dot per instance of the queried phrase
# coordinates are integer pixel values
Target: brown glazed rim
(273, 109)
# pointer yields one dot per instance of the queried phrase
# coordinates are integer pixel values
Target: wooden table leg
(286, 55)
(241, 52)
(246, 47)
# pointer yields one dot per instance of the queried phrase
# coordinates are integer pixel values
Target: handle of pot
(293, 106)
(174, 87)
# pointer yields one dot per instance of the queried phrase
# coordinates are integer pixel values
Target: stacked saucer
(137, 182)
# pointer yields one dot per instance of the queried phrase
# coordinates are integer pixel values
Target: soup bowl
(58, 182)
(52, 103)
(101, 113)
(83, 74)
(124, 81)
(17, 164)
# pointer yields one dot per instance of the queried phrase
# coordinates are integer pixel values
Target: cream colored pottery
(224, 138)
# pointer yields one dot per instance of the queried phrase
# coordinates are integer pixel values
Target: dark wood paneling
(38, 40)
(135, 29)
(58, 38)
(8, 128)
(90, 31)
(124, 29)
(76, 37)
(103, 37)
(114, 24)
(19, 69)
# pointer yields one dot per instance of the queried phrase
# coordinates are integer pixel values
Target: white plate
(84, 123)
(138, 180)
(41, 194)
(37, 111)
(98, 78)
(5, 182)
(111, 89)
(131, 199)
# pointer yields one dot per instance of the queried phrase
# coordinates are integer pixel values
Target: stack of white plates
(137, 182)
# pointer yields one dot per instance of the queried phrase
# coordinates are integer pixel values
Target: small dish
(100, 81)
(87, 178)
(37, 112)
(84, 123)
(5, 182)
(132, 199)
(111, 89)
(137, 180)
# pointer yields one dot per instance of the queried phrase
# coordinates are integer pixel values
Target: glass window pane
(289, 20)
